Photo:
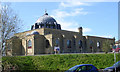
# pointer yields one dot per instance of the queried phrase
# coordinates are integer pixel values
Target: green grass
(62, 62)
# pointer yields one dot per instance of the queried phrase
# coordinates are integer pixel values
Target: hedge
(54, 62)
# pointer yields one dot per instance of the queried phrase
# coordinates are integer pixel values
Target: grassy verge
(61, 62)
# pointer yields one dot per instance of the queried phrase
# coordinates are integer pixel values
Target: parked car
(112, 68)
(116, 48)
(83, 68)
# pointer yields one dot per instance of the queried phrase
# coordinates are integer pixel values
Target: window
(47, 25)
(89, 67)
(47, 44)
(51, 26)
(63, 43)
(57, 42)
(74, 43)
(81, 68)
(91, 42)
(98, 44)
(29, 44)
(68, 43)
(80, 43)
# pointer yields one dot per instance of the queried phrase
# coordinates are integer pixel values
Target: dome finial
(46, 12)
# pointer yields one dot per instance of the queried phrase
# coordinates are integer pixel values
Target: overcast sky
(96, 18)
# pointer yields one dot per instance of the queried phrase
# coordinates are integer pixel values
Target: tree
(106, 46)
(9, 22)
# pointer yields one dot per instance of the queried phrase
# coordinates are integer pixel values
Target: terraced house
(47, 37)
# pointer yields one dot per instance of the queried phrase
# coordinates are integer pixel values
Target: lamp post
(115, 60)
(114, 47)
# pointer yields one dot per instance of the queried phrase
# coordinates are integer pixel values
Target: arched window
(42, 25)
(80, 43)
(51, 26)
(98, 44)
(74, 42)
(91, 43)
(68, 43)
(47, 26)
(29, 44)
(57, 42)
(47, 43)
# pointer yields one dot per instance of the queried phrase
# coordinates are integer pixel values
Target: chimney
(80, 30)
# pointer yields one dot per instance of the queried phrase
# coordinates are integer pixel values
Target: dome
(46, 19)
(35, 32)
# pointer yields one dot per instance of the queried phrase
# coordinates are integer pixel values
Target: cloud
(70, 8)
(67, 10)
(71, 26)
(86, 30)
(106, 36)
(75, 9)
(72, 3)
(74, 12)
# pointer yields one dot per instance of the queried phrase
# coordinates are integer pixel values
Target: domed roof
(35, 32)
(46, 19)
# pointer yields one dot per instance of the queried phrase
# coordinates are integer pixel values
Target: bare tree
(9, 22)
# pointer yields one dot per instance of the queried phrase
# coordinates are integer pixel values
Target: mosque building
(47, 37)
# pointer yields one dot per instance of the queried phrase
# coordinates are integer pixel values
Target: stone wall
(45, 41)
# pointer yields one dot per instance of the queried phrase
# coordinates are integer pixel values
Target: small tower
(80, 30)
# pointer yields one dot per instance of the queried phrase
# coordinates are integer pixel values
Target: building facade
(46, 35)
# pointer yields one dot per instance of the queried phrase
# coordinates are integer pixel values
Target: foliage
(106, 46)
(54, 62)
